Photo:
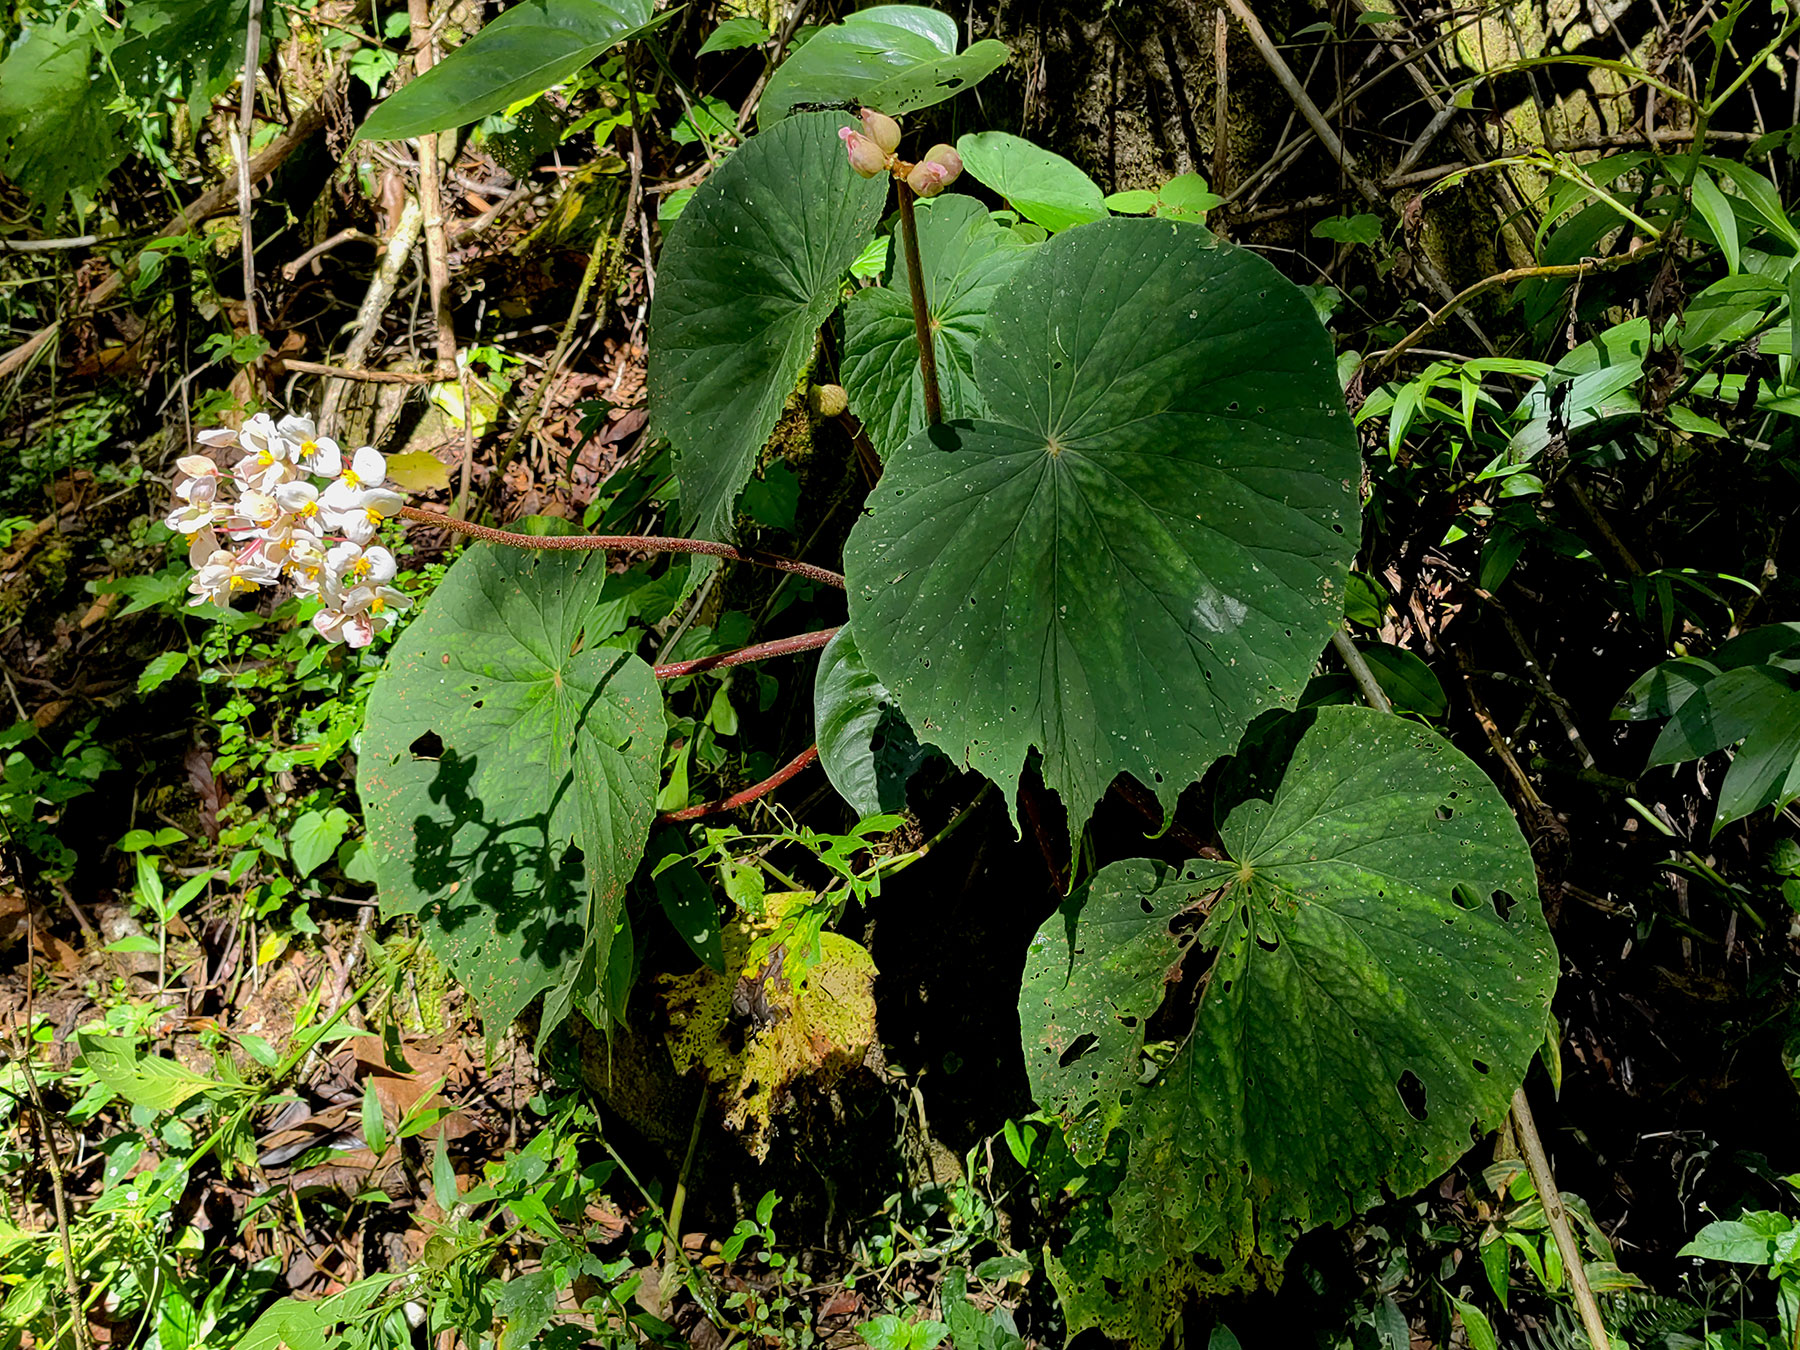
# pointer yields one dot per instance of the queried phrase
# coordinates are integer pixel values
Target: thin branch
(366, 376)
(792, 768)
(762, 651)
(53, 1158)
(431, 200)
(627, 543)
(1373, 694)
(1537, 1162)
(1505, 278)
(1284, 76)
(246, 117)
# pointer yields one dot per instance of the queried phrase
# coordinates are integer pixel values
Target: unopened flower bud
(881, 129)
(866, 157)
(946, 157)
(829, 400)
(928, 179)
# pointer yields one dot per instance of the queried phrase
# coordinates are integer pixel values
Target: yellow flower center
(309, 509)
(377, 605)
(360, 567)
(309, 447)
(242, 584)
(351, 478)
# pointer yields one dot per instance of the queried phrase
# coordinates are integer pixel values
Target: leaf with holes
(894, 58)
(509, 765)
(1363, 979)
(748, 274)
(1147, 544)
(865, 745)
(967, 257)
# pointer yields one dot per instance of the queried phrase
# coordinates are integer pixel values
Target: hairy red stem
(762, 651)
(640, 543)
(799, 762)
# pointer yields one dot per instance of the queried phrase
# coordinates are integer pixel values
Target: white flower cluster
(262, 516)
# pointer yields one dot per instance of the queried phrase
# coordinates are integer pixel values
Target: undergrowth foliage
(1123, 481)
(1132, 544)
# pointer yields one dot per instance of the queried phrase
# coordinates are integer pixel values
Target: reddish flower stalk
(762, 651)
(793, 767)
(639, 543)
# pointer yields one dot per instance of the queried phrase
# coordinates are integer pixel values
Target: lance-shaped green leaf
(966, 257)
(1370, 981)
(749, 272)
(508, 772)
(893, 58)
(865, 746)
(1147, 545)
(531, 46)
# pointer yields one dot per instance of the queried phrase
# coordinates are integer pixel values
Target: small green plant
(34, 787)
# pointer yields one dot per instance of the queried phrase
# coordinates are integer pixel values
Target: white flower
(300, 499)
(305, 564)
(358, 615)
(254, 510)
(201, 548)
(358, 512)
(353, 564)
(314, 454)
(321, 457)
(277, 521)
(368, 469)
(195, 517)
(227, 575)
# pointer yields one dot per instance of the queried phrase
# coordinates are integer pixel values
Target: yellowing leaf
(769, 1020)
(417, 471)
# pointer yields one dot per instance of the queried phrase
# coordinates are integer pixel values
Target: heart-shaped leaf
(1038, 183)
(966, 257)
(893, 58)
(1371, 979)
(748, 274)
(1146, 546)
(865, 746)
(531, 46)
(508, 751)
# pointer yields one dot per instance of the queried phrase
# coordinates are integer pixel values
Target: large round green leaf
(749, 272)
(508, 773)
(1372, 978)
(893, 58)
(533, 45)
(966, 257)
(1146, 546)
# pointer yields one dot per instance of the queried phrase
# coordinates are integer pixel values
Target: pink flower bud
(946, 157)
(881, 129)
(928, 178)
(866, 157)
